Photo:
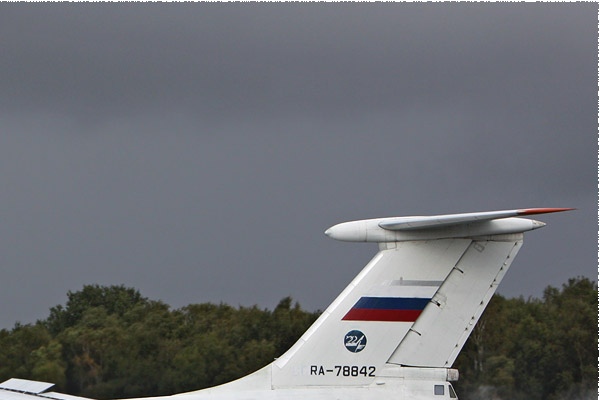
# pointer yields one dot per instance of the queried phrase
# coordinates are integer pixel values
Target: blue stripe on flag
(391, 303)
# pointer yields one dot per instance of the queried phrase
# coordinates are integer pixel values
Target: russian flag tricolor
(398, 309)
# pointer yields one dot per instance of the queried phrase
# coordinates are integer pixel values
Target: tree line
(111, 342)
(525, 349)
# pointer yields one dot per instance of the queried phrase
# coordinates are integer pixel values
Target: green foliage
(113, 299)
(48, 365)
(535, 349)
(28, 351)
(110, 342)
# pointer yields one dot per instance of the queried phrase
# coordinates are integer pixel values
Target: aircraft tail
(416, 301)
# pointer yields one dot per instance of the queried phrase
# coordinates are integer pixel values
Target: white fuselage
(396, 383)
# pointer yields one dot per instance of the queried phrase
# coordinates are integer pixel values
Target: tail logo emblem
(355, 341)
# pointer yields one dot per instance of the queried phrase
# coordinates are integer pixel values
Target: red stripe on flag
(370, 314)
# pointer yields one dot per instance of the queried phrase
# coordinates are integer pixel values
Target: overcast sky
(197, 152)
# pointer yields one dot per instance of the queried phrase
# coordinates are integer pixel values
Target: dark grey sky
(197, 152)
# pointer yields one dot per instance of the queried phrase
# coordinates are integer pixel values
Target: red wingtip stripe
(532, 211)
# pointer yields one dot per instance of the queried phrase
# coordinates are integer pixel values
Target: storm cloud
(197, 152)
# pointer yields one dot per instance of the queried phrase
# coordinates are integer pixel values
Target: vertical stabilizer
(414, 304)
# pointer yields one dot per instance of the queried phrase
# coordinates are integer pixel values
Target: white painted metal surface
(396, 229)
(25, 386)
(382, 280)
(444, 326)
(6, 394)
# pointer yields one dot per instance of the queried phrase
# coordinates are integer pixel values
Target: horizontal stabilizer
(435, 221)
(400, 229)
